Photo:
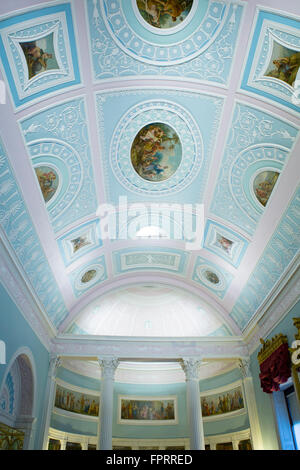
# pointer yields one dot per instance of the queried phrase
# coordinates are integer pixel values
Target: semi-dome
(149, 310)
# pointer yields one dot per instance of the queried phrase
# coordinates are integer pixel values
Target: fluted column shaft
(108, 367)
(191, 367)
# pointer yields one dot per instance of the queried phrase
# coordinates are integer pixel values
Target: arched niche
(17, 402)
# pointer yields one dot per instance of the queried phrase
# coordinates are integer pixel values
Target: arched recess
(17, 402)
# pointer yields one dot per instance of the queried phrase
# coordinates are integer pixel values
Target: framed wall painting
(223, 403)
(76, 401)
(148, 410)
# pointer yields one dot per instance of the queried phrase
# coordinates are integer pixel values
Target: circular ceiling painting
(156, 152)
(263, 185)
(164, 14)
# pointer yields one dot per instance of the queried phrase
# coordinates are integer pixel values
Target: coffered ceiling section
(115, 105)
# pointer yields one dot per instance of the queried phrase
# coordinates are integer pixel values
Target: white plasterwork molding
(13, 280)
(275, 308)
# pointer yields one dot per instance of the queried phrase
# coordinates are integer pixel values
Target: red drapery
(276, 369)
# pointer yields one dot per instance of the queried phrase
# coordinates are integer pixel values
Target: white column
(213, 445)
(251, 404)
(235, 444)
(84, 446)
(191, 368)
(108, 367)
(283, 421)
(63, 443)
(49, 401)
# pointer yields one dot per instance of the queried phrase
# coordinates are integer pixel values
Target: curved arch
(24, 411)
(127, 281)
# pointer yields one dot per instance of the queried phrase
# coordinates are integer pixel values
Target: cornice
(127, 348)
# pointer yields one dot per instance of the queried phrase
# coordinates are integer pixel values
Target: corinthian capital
(191, 368)
(244, 365)
(108, 366)
(54, 364)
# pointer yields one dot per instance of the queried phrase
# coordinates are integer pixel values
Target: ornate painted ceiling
(183, 102)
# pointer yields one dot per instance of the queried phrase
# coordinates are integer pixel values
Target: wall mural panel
(57, 140)
(38, 53)
(138, 43)
(258, 146)
(19, 229)
(147, 410)
(274, 60)
(279, 252)
(223, 403)
(76, 402)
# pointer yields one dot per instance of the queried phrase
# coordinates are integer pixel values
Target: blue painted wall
(264, 400)
(16, 333)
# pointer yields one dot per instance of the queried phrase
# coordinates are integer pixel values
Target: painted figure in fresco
(264, 189)
(88, 276)
(156, 12)
(286, 68)
(230, 401)
(150, 410)
(47, 183)
(36, 58)
(154, 145)
(225, 244)
(79, 242)
(212, 277)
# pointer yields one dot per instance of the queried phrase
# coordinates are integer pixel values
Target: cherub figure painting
(156, 152)
(284, 64)
(164, 13)
(40, 55)
(48, 181)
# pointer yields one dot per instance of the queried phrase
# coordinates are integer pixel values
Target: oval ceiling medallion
(211, 277)
(48, 180)
(164, 14)
(156, 152)
(88, 276)
(156, 148)
(264, 184)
